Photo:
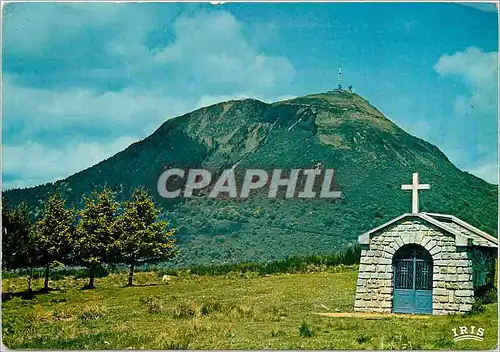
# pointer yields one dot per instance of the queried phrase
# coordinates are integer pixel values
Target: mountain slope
(371, 156)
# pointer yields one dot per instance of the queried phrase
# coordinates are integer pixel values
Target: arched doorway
(412, 268)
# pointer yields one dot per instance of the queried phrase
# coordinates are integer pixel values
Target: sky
(82, 81)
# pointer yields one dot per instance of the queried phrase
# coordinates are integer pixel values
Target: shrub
(243, 310)
(178, 345)
(279, 311)
(295, 264)
(37, 315)
(154, 304)
(491, 296)
(305, 330)
(477, 308)
(92, 312)
(208, 308)
(487, 294)
(363, 338)
(185, 310)
(61, 314)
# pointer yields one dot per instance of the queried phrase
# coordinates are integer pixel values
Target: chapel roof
(465, 234)
(479, 237)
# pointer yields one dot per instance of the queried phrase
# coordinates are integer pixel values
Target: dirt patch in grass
(373, 315)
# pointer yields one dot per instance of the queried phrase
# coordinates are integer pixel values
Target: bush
(487, 294)
(483, 295)
(92, 312)
(153, 304)
(185, 310)
(178, 345)
(305, 330)
(491, 296)
(295, 264)
(243, 310)
(477, 308)
(208, 308)
(363, 338)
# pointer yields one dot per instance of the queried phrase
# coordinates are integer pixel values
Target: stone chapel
(423, 263)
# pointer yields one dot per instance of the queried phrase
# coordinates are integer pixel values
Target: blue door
(412, 280)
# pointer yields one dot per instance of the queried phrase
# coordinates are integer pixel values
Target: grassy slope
(250, 313)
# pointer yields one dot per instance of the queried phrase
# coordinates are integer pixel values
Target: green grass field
(223, 312)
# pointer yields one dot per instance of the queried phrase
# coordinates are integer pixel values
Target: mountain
(371, 156)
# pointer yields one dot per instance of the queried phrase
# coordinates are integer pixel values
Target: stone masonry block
(405, 237)
(438, 277)
(366, 260)
(442, 299)
(424, 241)
(451, 277)
(465, 307)
(430, 245)
(440, 292)
(399, 242)
(463, 277)
(463, 263)
(464, 293)
(385, 276)
(435, 251)
(418, 237)
(385, 261)
(364, 275)
(452, 270)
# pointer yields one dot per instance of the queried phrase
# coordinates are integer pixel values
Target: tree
(19, 247)
(96, 231)
(54, 232)
(144, 238)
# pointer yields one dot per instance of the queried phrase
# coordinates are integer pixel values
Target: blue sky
(81, 81)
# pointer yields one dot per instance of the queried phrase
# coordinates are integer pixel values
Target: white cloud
(34, 163)
(476, 66)
(35, 29)
(56, 133)
(77, 112)
(474, 146)
(488, 172)
(479, 72)
(76, 52)
(39, 110)
(212, 47)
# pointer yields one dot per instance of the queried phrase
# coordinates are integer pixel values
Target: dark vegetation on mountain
(371, 156)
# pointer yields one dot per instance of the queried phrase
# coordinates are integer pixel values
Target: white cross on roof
(414, 187)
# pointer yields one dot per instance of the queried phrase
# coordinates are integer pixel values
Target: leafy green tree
(19, 246)
(7, 233)
(96, 231)
(144, 238)
(55, 232)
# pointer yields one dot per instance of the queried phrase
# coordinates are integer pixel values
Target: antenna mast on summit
(339, 79)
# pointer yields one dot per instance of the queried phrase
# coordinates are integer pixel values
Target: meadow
(231, 311)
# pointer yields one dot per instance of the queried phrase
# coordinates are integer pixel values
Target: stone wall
(452, 278)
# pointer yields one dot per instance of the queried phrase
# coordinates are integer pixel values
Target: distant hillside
(371, 156)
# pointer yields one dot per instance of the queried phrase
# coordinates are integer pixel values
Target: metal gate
(412, 267)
